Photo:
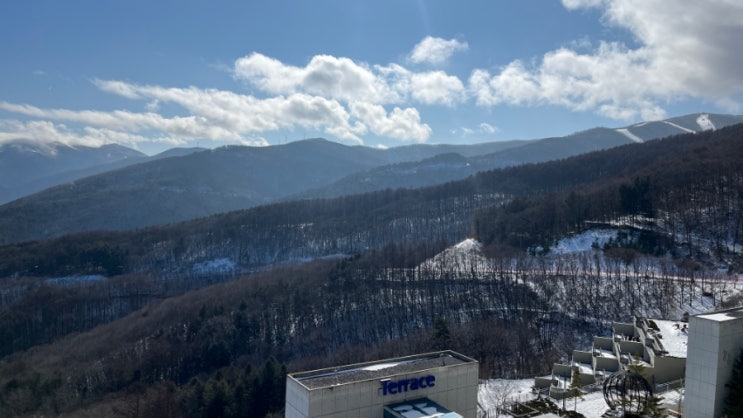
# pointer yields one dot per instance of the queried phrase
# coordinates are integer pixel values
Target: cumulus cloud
(682, 50)
(686, 50)
(229, 116)
(347, 81)
(238, 114)
(363, 89)
(325, 75)
(436, 51)
(402, 124)
(43, 132)
(437, 87)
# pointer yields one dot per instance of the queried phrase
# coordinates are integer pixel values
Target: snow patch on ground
(584, 241)
(705, 123)
(68, 280)
(461, 259)
(495, 392)
(218, 266)
(468, 245)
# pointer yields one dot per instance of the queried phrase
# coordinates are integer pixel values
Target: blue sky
(157, 74)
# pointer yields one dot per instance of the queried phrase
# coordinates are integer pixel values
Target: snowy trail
(691, 131)
(630, 135)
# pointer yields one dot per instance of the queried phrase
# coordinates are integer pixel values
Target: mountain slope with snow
(694, 123)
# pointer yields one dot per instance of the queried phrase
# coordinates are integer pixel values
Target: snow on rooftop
(381, 366)
(584, 368)
(674, 338)
(723, 316)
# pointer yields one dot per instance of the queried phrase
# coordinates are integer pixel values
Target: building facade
(715, 341)
(441, 384)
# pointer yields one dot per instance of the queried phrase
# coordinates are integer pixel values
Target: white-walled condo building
(715, 342)
(441, 384)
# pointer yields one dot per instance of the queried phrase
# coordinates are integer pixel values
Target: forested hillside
(691, 197)
(200, 317)
(141, 266)
(27, 167)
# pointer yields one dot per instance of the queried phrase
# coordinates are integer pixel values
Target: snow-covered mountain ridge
(694, 123)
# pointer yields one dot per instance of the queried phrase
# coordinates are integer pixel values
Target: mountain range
(116, 188)
(176, 318)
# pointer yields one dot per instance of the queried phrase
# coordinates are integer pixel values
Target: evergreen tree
(575, 385)
(441, 336)
(734, 398)
(653, 409)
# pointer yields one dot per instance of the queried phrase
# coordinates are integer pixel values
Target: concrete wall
(603, 363)
(667, 369)
(625, 329)
(455, 389)
(715, 341)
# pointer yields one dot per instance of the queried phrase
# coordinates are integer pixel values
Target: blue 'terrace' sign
(392, 387)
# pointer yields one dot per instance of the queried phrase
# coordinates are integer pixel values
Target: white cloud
(437, 88)
(436, 51)
(686, 50)
(575, 4)
(344, 80)
(121, 120)
(325, 75)
(228, 116)
(240, 114)
(482, 128)
(682, 50)
(403, 124)
(488, 128)
(44, 132)
(362, 88)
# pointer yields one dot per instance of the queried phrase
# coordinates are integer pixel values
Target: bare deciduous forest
(205, 317)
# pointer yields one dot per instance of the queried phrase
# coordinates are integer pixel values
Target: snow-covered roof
(723, 316)
(584, 368)
(317, 379)
(604, 352)
(674, 337)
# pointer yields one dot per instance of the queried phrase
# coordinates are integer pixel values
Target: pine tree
(653, 408)
(442, 336)
(734, 398)
(575, 385)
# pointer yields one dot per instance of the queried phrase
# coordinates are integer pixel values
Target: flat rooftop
(333, 376)
(722, 316)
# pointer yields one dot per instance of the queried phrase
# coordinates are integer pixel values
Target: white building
(658, 347)
(441, 384)
(715, 341)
